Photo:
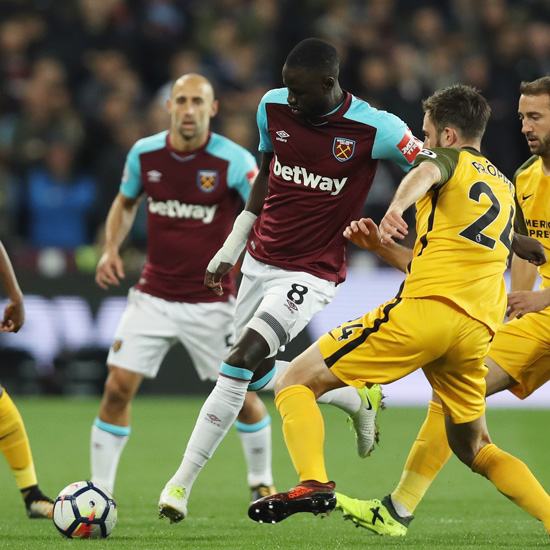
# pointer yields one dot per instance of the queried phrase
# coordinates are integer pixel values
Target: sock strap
(256, 427)
(111, 428)
(235, 372)
(259, 384)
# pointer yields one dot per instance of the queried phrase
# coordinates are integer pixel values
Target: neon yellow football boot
(377, 516)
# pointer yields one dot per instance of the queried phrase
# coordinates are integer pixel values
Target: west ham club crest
(343, 148)
(207, 180)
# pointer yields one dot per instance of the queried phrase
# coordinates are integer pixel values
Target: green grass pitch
(461, 511)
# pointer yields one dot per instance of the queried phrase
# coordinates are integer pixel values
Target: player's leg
(497, 378)
(355, 353)
(246, 356)
(254, 428)
(15, 447)
(111, 429)
(264, 321)
(521, 348)
(463, 401)
(523, 352)
(303, 430)
(361, 405)
(400, 321)
(217, 415)
(303, 426)
(427, 457)
(290, 302)
(221, 407)
(207, 334)
(392, 515)
(431, 451)
(518, 348)
(142, 339)
(472, 445)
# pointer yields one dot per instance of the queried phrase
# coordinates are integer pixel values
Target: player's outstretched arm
(120, 219)
(229, 253)
(14, 312)
(413, 186)
(364, 233)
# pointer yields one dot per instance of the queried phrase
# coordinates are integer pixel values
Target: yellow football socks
(428, 455)
(304, 431)
(14, 443)
(514, 480)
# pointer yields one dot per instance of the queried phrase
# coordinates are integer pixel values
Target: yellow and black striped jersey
(533, 196)
(464, 230)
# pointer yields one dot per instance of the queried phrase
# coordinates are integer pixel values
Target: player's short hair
(536, 87)
(461, 107)
(314, 54)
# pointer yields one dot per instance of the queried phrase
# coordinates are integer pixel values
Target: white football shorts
(278, 303)
(150, 326)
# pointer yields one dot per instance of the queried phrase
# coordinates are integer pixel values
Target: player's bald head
(191, 106)
(196, 82)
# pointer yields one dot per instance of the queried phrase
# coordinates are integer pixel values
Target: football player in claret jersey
(194, 182)
(519, 358)
(442, 320)
(320, 150)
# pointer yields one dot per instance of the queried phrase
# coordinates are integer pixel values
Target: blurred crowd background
(82, 80)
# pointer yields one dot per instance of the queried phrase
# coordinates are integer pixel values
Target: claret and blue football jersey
(321, 174)
(192, 200)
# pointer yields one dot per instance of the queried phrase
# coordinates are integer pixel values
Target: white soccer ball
(84, 510)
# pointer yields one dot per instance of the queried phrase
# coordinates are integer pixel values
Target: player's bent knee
(466, 456)
(249, 351)
(253, 409)
(252, 401)
(467, 450)
(120, 386)
(468, 438)
(308, 369)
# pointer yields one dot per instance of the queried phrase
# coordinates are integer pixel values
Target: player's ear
(215, 106)
(450, 136)
(169, 106)
(328, 83)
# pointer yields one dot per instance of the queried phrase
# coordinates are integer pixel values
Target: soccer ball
(84, 511)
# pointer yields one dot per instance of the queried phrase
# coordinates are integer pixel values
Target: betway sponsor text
(301, 176)
(177, 209)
